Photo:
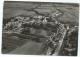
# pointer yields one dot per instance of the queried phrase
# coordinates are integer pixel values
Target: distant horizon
(65, 3)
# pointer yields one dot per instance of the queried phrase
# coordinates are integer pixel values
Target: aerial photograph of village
(40, 28)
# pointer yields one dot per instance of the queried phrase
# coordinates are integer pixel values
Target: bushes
(25, 31)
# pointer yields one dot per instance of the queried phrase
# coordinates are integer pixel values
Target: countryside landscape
(40, 28)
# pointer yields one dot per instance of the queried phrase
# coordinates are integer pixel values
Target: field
(21, 8)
